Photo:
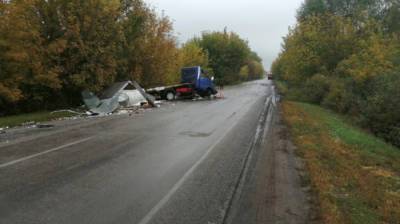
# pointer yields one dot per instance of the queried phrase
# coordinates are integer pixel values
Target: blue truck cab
(202, 85)
(194, 81)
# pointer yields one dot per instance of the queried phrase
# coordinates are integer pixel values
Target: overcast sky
(262, 22)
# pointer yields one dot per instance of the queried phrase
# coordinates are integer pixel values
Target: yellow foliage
(244, 72)
(193, 55)
(9, 93)
(371, 60)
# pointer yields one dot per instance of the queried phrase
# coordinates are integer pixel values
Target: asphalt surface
(275, 188)
(180, 163)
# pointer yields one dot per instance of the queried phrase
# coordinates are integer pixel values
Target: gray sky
(262, 22)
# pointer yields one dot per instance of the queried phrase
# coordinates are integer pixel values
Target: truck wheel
(209, 94)
(170, 96)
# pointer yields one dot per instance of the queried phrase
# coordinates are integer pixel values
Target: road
(181, 163)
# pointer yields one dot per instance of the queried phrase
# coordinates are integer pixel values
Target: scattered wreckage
(121, 97)
(126, 94)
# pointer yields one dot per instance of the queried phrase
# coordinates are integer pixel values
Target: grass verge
(16, 120)
(354, 175)
(282, 87)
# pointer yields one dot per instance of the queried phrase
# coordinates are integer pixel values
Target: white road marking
(45, 152)
(150, 215)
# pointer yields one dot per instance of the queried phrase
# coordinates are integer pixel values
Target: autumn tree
(9, 85)
(149, 48)
(227, 53)
(345, 55)
(78, 42)
(193, 55)
(52, 50)
(256, 68)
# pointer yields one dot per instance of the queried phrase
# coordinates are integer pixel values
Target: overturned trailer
(120, 94)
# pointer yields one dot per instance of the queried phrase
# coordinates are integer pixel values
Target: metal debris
(45, 126)
(69, 111)
(28, 124)
(150, 99)
(119, 95)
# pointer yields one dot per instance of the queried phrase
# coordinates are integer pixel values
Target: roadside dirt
(274, 190)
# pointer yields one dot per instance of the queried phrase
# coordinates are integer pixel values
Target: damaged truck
(194, 82)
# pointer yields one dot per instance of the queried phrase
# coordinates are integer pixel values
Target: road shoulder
(274, 191)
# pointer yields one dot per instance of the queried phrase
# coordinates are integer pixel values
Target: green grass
(355, 174)
(370, 146)
(282, 87)
(16, 120)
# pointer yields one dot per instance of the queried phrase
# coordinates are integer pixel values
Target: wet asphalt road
(176, 164)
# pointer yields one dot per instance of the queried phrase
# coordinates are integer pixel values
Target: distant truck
(270, 76)
(193, 82)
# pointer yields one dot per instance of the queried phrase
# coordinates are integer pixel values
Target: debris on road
(29, 124)
(150, 99)
(123, 98)
(120, 95)
(45, 126)
(33, 124)
(69, 111)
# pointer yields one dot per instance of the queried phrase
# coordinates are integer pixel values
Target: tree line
(51, 50)
(345, 55)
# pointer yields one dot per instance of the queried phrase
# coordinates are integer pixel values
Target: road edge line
(265, 117)
(151, 214)
(44, 152)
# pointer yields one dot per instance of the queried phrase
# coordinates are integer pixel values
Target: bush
(228, 53)
(317, 88)
(340, 97)
(382, 108)
(354, 44)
